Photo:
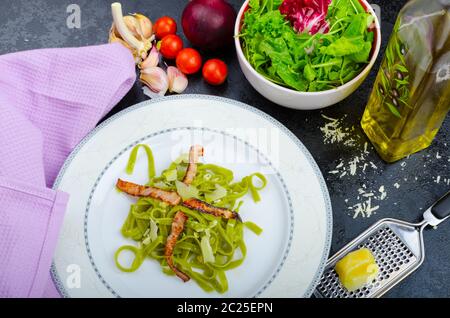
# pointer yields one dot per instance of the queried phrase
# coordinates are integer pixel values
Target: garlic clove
(133, 25)
(145, 25)
(177, 80)
(148, 92)
(151, 60)
(156, 79)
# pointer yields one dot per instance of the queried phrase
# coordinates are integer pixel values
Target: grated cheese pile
(333, 131)
(366, 204)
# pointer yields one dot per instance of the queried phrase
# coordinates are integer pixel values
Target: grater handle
(439, 211)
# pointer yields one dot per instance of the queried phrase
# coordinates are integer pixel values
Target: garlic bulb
(134, 31)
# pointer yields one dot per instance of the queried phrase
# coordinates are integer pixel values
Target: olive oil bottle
(411, 95)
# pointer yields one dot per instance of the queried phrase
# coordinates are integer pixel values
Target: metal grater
(398, 248)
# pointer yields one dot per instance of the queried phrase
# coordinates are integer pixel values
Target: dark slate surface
(38, 23)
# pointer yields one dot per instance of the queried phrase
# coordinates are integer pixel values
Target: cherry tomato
(189, 61)
(170, 46)
(215, 72)
(165, 26)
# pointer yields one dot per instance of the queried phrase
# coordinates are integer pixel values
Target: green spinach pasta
(209, 244)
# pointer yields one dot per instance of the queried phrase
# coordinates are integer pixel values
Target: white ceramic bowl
(303, 100)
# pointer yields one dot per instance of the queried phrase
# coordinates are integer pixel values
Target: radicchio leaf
(307, 16)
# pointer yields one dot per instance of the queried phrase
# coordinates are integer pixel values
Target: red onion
(209, 24)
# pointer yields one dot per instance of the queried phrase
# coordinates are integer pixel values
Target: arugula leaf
(341, 8)
(276, 49)
(357, 6)
(369, 36)
(277, 3)
(333, 76)
(309, 73)
(291, 78)
(345, 46)
(363, 55)
(357, 27)
(254, 4)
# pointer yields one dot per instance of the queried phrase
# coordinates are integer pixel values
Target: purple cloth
(49, 100)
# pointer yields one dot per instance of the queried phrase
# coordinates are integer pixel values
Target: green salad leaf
(302, 61)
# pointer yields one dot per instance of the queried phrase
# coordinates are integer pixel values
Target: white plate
(286, 260)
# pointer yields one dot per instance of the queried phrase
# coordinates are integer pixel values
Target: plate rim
(328, 207)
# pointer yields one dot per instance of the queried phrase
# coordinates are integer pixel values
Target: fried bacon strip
(137, 190)
(204, 207)
(177, 227)
(195, 152)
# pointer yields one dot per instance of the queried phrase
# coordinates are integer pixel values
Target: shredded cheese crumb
(383, 193)
(333, 132)
(367, 207)
(364, 209)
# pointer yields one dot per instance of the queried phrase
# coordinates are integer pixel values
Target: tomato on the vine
(170, 46)
(189, 61)
(215, 71)
(165, 26)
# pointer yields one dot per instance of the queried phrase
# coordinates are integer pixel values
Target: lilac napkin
(49, 100)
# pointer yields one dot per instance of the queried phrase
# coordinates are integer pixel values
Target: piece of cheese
(357, 269)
